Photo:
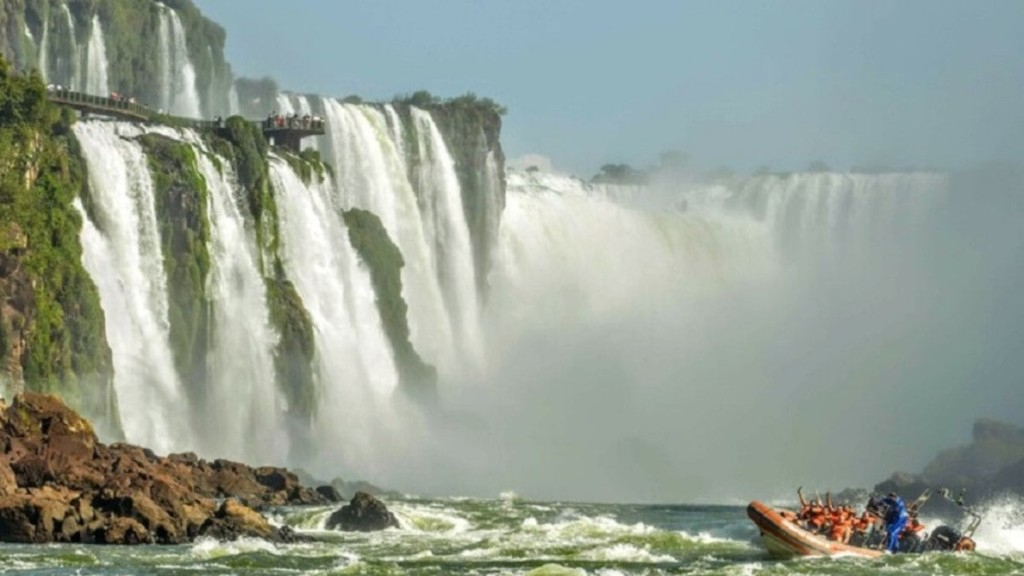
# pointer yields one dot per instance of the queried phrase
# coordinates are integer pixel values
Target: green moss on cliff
(181, 203)
(243, 144)
(293, 358)
(54, 317)
(379, 253)
(307, 164)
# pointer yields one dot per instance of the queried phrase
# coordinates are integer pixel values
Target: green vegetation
(53, 311)
(307, 164)
(382, 257)
(620, 174)
(243, 143)
(293, 359)
(469, 100)
(181, 203)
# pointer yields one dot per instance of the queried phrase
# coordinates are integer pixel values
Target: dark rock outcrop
(58, 483)
(327, 491)
(363, 513)
(992, 463)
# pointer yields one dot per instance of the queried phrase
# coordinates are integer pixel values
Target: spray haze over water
(713, 341)
(826, 328)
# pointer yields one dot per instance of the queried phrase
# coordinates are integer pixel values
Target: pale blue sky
(732, 83)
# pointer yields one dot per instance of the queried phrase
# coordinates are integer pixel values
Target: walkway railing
(284, 130)
(99, 104)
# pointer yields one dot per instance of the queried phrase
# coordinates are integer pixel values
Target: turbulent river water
(508, 535)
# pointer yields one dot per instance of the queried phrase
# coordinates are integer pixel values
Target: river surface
(510, 536)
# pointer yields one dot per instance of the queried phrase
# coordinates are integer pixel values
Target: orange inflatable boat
(785, 539)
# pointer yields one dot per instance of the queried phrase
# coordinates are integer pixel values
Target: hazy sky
(739, 83)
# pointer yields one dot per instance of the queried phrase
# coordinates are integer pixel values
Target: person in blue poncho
(895, 520)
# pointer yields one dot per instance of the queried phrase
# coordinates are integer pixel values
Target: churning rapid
(512, 536)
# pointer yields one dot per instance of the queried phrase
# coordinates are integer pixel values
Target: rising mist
(814, 329)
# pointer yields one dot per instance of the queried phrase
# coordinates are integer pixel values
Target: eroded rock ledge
(58, 483)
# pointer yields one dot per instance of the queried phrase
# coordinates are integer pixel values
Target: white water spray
(177, 74)
(44, 49)
(353, 424)
(444, 222)
(121, 251)
(366, 151)
(243, 413)
(75, 78)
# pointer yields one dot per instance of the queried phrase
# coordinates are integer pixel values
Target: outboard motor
(943, 538)
(949, 538)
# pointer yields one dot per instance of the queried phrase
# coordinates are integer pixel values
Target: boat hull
(784, 539)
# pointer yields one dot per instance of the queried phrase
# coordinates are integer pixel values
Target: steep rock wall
(52, 333)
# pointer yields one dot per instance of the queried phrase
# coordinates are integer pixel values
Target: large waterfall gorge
(646, 307)
(587, 290)
(243, 415)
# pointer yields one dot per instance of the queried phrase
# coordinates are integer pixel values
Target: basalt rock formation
(363, 513)
(58, 483)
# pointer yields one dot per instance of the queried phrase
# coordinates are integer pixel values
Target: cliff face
(52, 333)
(126, 47)
(383, 258)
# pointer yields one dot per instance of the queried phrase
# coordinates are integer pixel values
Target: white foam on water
(207, 548)
(1001, 531)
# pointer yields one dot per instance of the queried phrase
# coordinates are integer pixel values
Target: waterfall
(74, 77)
(243, 414)
(293, 104)
(234, 107)
(44, 48)
(121, 251)
(96, 59)
(177, 74)
(368, 155)
(444, 220)
(825, 215)
(569, 252)
(797, 297)
(355, 367)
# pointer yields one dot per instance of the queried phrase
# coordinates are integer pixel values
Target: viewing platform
(283, 131)
(288, 131)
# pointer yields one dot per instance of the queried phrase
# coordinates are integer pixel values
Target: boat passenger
(895, 520)
(912, 537)
(816, 518)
